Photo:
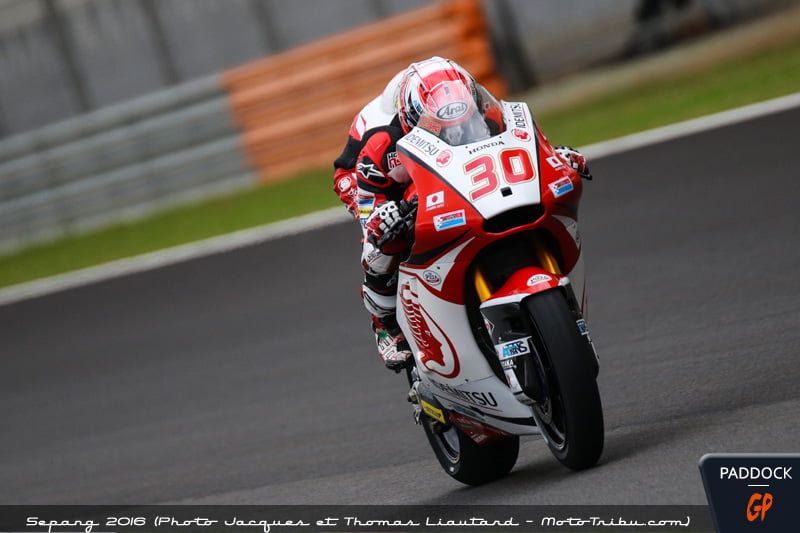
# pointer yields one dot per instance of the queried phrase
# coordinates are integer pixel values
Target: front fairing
(487, 189)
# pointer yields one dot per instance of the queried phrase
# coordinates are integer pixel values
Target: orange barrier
(295, 108)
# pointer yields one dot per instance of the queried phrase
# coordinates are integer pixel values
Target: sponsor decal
(434, 201)
(367, 169)
(485, 146)
(752, 492)
(481, 399)
(345, 183)
(432, 411)
(444, 158)
(561, 187)
(365, 206)
(522, 135)
(514, 348)
(518, 116)
(450, 220)
(372, 255)
(452, 111)
(432, 126)
(555, 162)
(431, 277)
(392, 160)
(539, 278)
(423, 145)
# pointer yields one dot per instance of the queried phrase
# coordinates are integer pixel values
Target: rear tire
(468, 462)
(571, 416)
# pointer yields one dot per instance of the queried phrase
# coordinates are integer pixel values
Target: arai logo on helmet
(452, 111)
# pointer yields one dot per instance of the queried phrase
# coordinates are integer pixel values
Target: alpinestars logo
(367, 170)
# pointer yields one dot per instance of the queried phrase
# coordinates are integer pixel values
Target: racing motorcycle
(491, 296)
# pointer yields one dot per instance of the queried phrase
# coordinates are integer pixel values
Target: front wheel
(570, 414)
(468, 462)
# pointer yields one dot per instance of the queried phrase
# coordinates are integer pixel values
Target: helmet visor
(451, 114)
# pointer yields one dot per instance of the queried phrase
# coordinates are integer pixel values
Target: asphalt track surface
(250, 377)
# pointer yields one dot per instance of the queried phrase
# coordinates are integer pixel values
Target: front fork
(511, 329)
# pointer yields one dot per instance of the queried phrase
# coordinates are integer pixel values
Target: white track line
(293, 226)
(689, 127)
(170, 256)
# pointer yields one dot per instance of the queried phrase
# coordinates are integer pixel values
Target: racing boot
(392, 345)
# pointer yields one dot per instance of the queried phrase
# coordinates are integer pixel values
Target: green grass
(737, 83)
(305, 194)
(767, 75)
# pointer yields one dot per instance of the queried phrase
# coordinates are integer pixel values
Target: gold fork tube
(547, 260)
(481, 285)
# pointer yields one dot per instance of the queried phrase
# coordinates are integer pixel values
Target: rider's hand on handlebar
(575, 159)
(388, 221)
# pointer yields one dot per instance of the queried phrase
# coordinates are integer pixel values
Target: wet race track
(250, 377)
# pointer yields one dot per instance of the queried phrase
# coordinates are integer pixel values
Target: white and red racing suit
(377, 113)
(378, 182)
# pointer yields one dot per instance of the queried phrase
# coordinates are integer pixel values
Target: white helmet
(421, 82)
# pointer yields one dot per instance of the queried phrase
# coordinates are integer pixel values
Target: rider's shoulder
(373, 115)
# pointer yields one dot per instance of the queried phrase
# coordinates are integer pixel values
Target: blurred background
(112, 110)
(62, 58)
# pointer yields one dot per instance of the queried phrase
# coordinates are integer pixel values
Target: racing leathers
(381, 181)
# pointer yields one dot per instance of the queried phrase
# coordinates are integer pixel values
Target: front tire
(570, 416)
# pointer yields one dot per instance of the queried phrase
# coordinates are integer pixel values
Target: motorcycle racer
(381, 184)
(370, 157)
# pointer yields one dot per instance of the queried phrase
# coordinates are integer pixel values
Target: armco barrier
(261, 121)
(119, 162)
(295, 107)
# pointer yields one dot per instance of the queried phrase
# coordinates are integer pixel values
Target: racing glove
(575, 159)
(388, 221)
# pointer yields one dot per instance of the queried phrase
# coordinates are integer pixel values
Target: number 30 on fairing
(516, 166)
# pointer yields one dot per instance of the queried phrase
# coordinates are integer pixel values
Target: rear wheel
(468, 462)
(570, 416)
(461, 457)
